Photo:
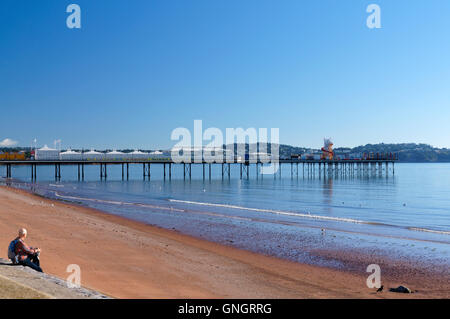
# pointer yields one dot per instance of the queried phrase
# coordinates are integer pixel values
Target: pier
(306, 167)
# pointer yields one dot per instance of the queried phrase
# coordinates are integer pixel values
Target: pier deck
(347, 167)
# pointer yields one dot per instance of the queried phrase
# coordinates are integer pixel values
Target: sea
(295, 216)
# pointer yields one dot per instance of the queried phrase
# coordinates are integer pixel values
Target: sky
(137, 70)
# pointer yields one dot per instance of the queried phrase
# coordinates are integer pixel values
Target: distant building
(115, 155)
(47, 153)
(137, 155)
(70, 155)
(93, 156)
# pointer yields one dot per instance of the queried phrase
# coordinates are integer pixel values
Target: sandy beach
(126, 259)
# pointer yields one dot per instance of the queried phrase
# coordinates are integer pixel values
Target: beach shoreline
(128, 259)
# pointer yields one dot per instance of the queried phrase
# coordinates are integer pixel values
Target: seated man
(26, 256)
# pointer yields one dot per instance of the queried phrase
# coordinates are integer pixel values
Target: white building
(46, 153)
(115, 156)
(138, 155)
(70, 155)
(157, 155)
(93, 156)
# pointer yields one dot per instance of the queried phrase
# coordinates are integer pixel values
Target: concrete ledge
(40, 285)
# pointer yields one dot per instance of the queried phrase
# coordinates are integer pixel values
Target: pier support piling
(146, 170)
(57, 172)
(225, 170)
(187, 170)
(103, 171)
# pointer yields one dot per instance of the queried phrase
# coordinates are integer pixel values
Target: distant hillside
(407, 152)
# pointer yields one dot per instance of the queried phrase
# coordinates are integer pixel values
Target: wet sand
(126, 259)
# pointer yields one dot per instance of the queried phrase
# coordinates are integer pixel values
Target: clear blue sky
(138, 69)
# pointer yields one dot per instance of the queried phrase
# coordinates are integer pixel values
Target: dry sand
(127, 259)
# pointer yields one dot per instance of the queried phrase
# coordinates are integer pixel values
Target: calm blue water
(407, 214)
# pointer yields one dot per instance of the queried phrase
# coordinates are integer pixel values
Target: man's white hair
(22, 232)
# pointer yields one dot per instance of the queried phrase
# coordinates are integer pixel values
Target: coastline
(128, 259)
